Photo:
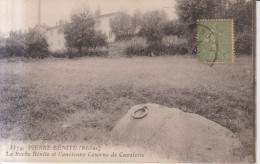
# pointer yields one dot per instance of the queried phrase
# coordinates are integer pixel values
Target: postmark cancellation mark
(215, 41)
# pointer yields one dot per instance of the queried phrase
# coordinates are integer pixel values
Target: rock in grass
(184, 137)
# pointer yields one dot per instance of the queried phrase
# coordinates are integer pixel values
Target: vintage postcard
(127, 81)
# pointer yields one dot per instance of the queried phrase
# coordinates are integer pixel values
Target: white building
(103, 24)
(55, 36)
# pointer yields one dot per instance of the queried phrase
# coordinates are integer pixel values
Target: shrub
(161, 49)
(136, 50)
(173, 39)
(174, 28)
(79, 34)
(36, 45)
(156, 50)
(243, 44)
(99, 39)
(152, 27)
(31, 45)
(123, 26)
(13, 46)
(183, 49)
(238, 10)
(13, 50)
(97, 52)
(180, 49)
(59, 54)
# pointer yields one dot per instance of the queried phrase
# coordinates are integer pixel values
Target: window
(59, 31)
(98, 23)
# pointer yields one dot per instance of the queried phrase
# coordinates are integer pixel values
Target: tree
(189, 11)
(80, 32)
(14, 45)
(173, 27)
(137, 18)
(99, 39)
(152, 26)
(2, 42)
(2, 47)
(241, 12)
(35, 45)
(123, 26)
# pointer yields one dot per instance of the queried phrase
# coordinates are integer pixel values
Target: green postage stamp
(215, 41)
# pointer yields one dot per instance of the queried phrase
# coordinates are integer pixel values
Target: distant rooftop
(106, 15)
(61, 24)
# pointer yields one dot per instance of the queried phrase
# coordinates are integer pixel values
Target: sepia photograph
(138, 81)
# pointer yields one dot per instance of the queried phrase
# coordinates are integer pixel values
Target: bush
(80, 33)
(13, 46)
(174, 28)
(31, 45)
(156, 50)
(123, 26)
(36, 45)
(180, 49)
(59, 54)
(99, 39)
(238, 10)
(152, 27)
(243, 44)
(12, 50)
(97, 52)
(183, 49)
(136, 50)
(160, 49)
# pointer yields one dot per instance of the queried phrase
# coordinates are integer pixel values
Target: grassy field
(84, 98)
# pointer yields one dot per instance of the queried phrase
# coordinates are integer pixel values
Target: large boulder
(184, 137)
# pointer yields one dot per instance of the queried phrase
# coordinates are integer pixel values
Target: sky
(23, 14)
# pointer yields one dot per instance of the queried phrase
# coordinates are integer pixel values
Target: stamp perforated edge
(232, 38)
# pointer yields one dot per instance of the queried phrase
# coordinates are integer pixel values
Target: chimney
(11, 33)
(98, 12)
(57, 23)
(39, 12)
(61, 22)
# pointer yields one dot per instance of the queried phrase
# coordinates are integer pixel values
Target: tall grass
(83, 99)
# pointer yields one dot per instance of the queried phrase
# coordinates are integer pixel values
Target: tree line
(153, 26)
(81, 34)
(29, 45)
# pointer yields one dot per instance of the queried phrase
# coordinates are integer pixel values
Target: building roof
(57, 26)
(61, 26)
(42, 26)
(107, 15)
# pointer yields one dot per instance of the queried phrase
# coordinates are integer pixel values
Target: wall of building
(103, 24)
(55, 39)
